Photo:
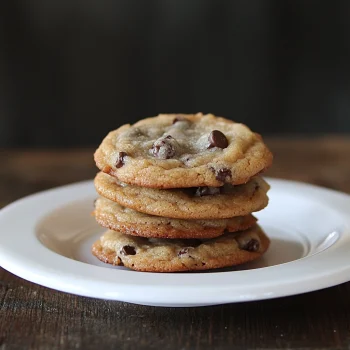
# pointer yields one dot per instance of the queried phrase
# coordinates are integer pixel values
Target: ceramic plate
(46, 238)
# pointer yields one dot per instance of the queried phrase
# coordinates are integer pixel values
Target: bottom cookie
(165, 255)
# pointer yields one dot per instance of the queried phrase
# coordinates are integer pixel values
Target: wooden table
(34, 317)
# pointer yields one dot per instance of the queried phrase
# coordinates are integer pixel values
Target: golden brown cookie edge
(241, 257)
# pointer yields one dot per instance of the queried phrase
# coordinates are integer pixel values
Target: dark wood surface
(34, 317)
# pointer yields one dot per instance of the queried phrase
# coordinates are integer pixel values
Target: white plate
(46, 238)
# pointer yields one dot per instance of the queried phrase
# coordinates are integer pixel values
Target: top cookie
(179, 150)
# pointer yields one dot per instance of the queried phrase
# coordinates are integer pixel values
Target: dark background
(72, 70)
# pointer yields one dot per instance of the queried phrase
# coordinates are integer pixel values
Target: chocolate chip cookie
(183, 150)
(191, 203)
(165, 255)
(115, 217)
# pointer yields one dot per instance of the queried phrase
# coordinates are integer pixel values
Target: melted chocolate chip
(251, 246)
(217, 139)
(222, 174)
(119, 262)
(192, 243)
(121, 159)
(183, 251)
(128, 250)
(164, 148)
(256, 188)
(207, 191)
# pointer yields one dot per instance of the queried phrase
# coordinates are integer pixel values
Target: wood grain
(34, 317)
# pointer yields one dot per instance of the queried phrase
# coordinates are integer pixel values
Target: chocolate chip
(121, 159)
(128, 250)
(207, 191)
(223, 174)
(192, 243)
(119, 262)
(183, 251)
(164, 147)
(95, 202)
(251, 246)
(217, 139)
(256, 188)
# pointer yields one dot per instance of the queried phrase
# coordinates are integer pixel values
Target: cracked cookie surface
(183, 150)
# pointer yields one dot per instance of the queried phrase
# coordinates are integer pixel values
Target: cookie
(179, 150)
(165, 255)
(115, 217)
(195, 203)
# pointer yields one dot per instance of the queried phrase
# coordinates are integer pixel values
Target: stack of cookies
(177, 193)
